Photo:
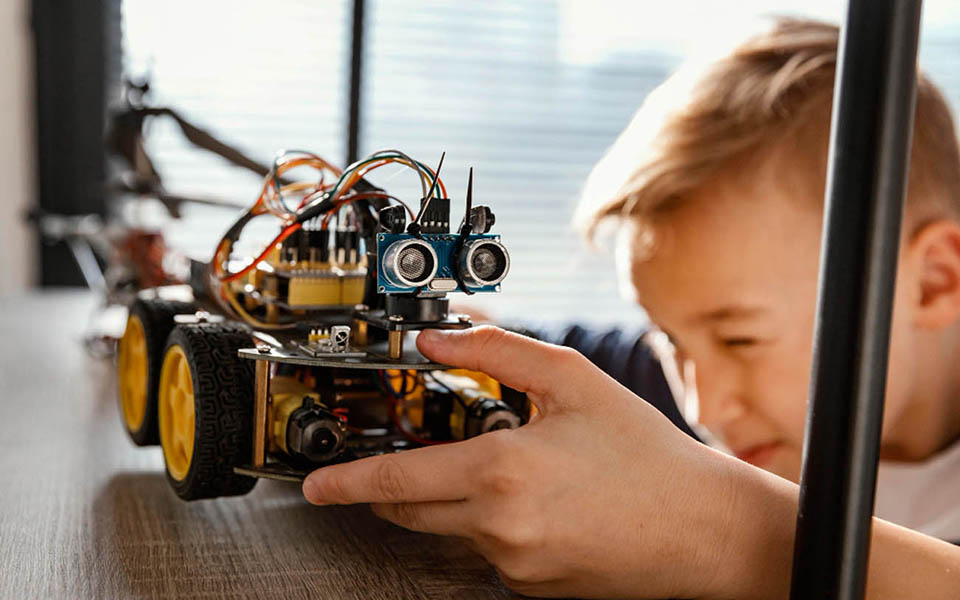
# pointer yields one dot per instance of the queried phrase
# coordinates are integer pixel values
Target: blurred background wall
(17, 255)
(529, 93)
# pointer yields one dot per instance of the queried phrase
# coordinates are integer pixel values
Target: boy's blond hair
(774, 89)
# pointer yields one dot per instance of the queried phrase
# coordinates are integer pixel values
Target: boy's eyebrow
(735, 311)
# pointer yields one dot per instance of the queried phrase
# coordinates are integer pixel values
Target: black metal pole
(866, 179)
(72, 41)
(356, 71)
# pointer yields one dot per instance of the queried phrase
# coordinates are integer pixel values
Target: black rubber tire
(157, 319)
(223, 409)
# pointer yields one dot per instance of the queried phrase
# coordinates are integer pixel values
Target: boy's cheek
(900, 370)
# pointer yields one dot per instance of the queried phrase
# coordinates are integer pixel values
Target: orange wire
(287, 231)
(310, 194)
(355, 176)
(260, 207)
(284, 166)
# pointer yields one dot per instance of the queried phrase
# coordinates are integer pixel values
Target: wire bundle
(397, 398)
(317, 199)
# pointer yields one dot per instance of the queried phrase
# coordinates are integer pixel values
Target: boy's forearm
(903, 563)
(907, 564)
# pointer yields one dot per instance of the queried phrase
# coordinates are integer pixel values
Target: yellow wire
(231, 297)
(297, 186)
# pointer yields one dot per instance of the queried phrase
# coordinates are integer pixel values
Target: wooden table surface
(85, 514)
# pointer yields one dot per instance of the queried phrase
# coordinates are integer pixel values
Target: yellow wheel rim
(176, 412)
(132, 373)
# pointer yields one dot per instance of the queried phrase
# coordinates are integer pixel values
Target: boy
(718, 186)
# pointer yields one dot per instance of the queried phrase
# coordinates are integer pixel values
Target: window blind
(262, 76)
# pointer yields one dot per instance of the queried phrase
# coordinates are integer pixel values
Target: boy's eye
(739, 342)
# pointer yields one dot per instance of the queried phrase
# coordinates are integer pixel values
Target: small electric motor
(465, 413)
(313, 432)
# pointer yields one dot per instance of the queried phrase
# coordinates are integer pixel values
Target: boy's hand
(600, 496)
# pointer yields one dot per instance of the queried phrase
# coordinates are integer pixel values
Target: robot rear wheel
(139, 356)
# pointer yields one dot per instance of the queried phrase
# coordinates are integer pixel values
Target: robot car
(280, 363)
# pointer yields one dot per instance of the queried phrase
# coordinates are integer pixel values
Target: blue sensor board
(445, 245)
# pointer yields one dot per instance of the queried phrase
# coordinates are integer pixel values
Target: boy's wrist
(752, 540)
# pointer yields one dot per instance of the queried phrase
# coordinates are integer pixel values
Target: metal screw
(263, 349)
(395, 318)
(464, 318)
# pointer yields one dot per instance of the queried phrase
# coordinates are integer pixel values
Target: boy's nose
(720, 402)
(716, 414)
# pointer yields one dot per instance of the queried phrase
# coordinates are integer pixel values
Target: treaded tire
(157, 318)
(223, 409)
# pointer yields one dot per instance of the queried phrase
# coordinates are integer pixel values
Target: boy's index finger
(520, 362)
(433, 473)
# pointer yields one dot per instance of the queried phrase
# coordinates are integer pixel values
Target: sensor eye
(410, 263)
(485, 262)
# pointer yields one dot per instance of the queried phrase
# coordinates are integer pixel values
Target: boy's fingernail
(311, 491)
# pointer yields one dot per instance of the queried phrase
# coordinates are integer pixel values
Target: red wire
(263, 255)
(443, 188)
(342, 413)
(394, 404)
(408, 434)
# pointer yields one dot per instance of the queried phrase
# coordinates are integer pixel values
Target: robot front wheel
(205, 410)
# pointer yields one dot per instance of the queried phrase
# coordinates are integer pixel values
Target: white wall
(17, 186)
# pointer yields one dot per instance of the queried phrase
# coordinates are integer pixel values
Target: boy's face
(733, 280)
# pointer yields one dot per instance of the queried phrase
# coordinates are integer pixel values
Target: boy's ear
(933, 261)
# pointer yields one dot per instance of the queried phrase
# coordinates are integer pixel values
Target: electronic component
(407, 262)
(393, 219)
(329, 301)
(458, 413)
(308, 289)
(480, 261)
(429, 261)
(483, 262)
(481, 219)
(333, 342)
(313, 433)
(484, 415)
(435, 215)
(311, 274)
